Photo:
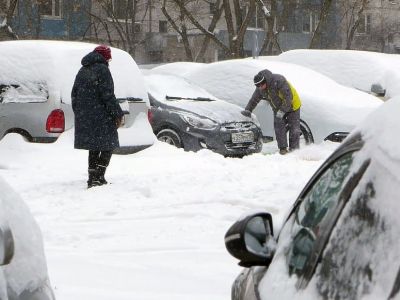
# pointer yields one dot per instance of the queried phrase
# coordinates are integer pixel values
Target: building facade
(153, 34)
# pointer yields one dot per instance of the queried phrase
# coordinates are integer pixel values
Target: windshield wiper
(188, 98)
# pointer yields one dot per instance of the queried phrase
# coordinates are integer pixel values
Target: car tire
(306, 136)
(306, 133)
(170, 136)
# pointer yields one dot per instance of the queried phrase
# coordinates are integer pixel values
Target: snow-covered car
(23, 268)
(189, 117)
(37, 76)
(341, 237)
(29, 105)
(329, 110)
(363, 70)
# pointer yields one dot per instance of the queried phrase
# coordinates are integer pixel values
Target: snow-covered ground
(155, 232)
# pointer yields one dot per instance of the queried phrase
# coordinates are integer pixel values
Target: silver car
(28, 108)
(36, 79)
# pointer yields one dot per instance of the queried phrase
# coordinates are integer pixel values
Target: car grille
(238, 125)
(233, 146)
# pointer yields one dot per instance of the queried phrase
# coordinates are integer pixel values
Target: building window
(50, 8)
(365, 24)
(213, 8)
(390, 38)
(4, 4)
(155, 56)
(310, 22)
(137, 27)
(120, 9)
(258, 21)
(163, 26)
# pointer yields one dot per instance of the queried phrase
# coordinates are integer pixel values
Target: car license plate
(243, 137)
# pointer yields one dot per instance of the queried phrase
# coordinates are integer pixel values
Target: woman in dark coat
(97, 112)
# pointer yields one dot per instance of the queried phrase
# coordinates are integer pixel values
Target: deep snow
(157, 230)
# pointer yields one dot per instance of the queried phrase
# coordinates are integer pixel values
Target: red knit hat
(104, 50)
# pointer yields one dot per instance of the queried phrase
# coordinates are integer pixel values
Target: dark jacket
(279, 94)
(95, 107)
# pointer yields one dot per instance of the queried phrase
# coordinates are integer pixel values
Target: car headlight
(201, 123)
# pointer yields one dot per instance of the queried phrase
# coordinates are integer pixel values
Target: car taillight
(55, 121)
(150, 116)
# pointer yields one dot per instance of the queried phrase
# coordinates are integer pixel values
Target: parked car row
(329, 110)
(35, 85)
(37, 78)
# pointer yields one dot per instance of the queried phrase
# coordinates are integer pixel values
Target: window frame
(7, 7)
(53, 10)
(365, 23)
(163, 26)
(114, 15)
(313, 19)
(346, 191)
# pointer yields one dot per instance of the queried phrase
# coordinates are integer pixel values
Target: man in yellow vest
(285, 103)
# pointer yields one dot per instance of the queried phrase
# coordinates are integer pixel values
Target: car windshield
(23, 92)
(172, 98)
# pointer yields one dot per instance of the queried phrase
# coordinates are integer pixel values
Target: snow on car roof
(177, 68)
(358, 69)
(57, 63)
(216, 77)
(380, 129)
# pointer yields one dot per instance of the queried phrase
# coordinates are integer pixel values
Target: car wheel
(306, 133)
(306, 136)
(170, 136)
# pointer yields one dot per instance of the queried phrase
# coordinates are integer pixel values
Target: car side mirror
(377, 89)
(6, 244)
(251, 240)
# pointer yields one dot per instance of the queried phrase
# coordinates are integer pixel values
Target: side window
(23, 93)
(313, 216)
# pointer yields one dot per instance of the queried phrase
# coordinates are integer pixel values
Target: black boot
(101, 171)
(94, 178)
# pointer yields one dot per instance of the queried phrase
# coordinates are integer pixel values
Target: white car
(329, 110)
(363, 70)
(23, 268)
(37, 76)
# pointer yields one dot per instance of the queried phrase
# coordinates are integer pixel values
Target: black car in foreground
(341, 239)
(188, 117)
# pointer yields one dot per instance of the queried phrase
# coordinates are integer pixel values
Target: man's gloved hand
(246, 113)
(280, 114)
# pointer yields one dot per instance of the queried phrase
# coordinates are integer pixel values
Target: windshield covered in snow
(169, 87)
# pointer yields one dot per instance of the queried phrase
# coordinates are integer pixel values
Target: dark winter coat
(95, 106)
(279, 94)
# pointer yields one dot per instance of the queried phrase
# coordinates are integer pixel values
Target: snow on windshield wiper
(188, 98)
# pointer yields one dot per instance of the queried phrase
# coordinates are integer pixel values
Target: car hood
(217, 110)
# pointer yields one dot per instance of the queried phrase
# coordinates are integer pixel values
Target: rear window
(23, 93)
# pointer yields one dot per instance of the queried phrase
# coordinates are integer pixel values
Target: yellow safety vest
(296, 102)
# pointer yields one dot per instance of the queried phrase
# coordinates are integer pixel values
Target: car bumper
(221, 142)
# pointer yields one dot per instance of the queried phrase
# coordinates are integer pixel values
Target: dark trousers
(291, 121)
(99, 158)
